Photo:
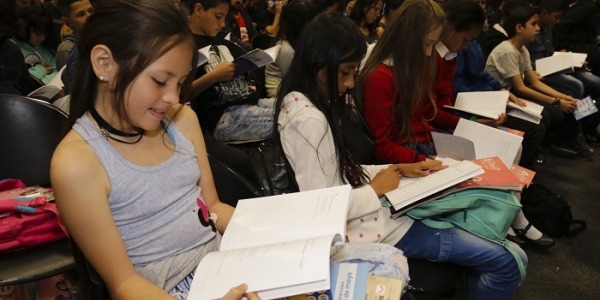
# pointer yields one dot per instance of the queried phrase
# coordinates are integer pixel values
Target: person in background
(75, 13)
(50, 9)
(294, 18)
(366, 14)
(580, 83)
(578, 31)
(389, 8)
(239, 23)
(39, 58)
(270, 18)
(311, 113)
(14, 74)
(510, 64)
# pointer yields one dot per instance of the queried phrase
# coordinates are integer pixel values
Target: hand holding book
(421, 169)
(239, 292)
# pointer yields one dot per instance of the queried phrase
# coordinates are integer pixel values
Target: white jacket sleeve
(308, 145)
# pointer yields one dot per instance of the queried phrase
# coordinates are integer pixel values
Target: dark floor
(570, 269)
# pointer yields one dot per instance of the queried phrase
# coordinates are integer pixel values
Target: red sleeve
(443, 93)
(378, 93)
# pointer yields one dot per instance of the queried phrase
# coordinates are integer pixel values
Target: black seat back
(30, 130)
(230, 185)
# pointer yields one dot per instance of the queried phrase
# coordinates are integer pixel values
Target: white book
(48, 91)
(472, 140)
(554, 64)
(255, 59)
(486, 104)
(412, 190)
(578, 58)
(532, 112)
(453, 147)
(490, 141)
(278, 245)
(250, 61)
(524, 116)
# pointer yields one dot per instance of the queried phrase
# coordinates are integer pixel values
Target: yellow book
(383, 288)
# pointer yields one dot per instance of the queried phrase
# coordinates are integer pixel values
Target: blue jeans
(565, 84)
(591, 83)
(492, 272)
(578, 84)
(246, 122)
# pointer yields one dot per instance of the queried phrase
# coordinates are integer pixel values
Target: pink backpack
(27, 220)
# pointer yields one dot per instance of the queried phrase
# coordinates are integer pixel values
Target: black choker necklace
(107, 130)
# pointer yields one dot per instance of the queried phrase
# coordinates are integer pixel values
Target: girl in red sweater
(399, 117)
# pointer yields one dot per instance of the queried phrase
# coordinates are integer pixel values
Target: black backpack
(549, 212)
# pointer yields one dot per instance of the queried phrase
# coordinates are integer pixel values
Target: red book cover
(525, 175)
(496, 175)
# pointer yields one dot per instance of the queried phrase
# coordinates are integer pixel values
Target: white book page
(49, 90)
(578, 58)
(413, 190)
(57, 80)
(531, 108)
(452, 146)
(287, 217)
(255, 59)
(487, 104)
(203, 54)
(524, 116)
(552, 64)
(265, 268)
(490, 141)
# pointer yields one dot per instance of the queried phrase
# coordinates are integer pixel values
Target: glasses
(377, 9)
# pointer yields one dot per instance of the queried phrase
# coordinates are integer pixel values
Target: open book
(554, 64)
(532, 112)
(250, 61)
(278, 245)
(48, 91)
(412, 190)
(486, 104)
(472, 140)
(577, 58)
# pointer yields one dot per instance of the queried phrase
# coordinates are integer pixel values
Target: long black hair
(328, 41)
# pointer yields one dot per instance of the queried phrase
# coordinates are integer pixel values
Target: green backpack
(486, 213)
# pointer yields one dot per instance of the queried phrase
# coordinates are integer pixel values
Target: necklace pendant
(104, 133)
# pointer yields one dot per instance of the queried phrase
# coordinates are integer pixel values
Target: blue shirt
(470, 75)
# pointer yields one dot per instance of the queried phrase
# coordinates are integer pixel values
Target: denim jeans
(565, 84)
(492, 272)
(246, 122)
(591, 83)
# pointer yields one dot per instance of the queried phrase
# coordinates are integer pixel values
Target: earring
(101, 78)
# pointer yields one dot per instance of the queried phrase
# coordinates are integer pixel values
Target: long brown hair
(402, 42)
